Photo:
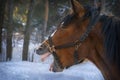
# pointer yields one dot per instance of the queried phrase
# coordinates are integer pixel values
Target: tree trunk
(2, 11)
(27, 32)
(46, 19)
(9, 31)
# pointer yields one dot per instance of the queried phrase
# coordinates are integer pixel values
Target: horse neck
(97, 56)
(101, 64)
(108, 70)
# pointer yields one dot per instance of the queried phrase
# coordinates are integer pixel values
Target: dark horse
(85, 34)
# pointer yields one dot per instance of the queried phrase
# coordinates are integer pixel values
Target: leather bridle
(94, 18)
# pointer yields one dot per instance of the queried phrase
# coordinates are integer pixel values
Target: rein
(52, 48)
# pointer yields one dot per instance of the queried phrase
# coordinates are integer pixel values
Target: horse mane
(111, 31)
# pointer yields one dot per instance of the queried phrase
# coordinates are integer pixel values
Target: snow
(40, 71)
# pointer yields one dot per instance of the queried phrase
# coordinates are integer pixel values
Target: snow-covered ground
(40, 71)
(37, 70)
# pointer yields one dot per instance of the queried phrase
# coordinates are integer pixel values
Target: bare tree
(9, 30)
(45, 18)
(2, 11)
(27, 32)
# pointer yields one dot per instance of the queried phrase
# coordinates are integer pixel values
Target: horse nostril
(40, 48)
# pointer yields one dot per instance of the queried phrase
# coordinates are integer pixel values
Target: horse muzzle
(41, 49)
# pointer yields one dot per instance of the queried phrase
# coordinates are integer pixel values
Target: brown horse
(85, 34)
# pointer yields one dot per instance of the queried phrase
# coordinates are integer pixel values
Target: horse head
(65, 43)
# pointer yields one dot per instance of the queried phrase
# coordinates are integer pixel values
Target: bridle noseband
(76, 44)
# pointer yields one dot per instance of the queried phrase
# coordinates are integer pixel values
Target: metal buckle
(52, 49)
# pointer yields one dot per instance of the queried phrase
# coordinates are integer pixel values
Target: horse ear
(77, 8)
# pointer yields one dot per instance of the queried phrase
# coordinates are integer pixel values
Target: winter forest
(24, 24)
